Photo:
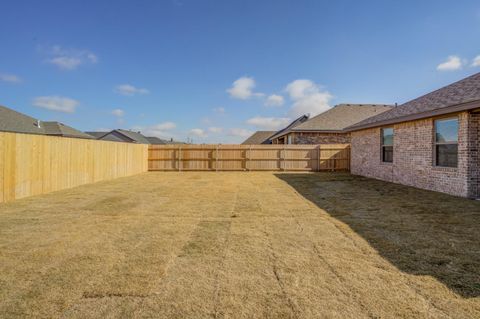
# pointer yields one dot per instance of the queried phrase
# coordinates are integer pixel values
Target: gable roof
(60, 129)
(259, 137)
(459, 96)
(13, 121)
(341, 116)
(293, 124)
(97, 134)
(135, 136)
(155, 140)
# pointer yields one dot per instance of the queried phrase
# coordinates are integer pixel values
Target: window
(387, 145)
(446, 142)
(289, 139)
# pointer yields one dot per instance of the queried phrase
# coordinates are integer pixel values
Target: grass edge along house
(431, 142)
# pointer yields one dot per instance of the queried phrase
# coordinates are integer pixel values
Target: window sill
(386, 163)
(445, 169)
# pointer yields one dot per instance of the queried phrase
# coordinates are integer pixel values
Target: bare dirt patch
(240, 245)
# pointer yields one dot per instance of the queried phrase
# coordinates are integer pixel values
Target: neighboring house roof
(60, 129)
(97, 134)
(293, 124)
(13, 121)
(341, 116)
(135, 136)
(155, 140)
(259, 137)
(459, 96)
(175, 142)
(120, 135)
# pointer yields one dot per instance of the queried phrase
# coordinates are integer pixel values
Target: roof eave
(317, 131)
(418, 116)
(280, 134)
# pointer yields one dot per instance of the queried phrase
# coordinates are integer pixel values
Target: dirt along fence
(328, 157)
(38, 164)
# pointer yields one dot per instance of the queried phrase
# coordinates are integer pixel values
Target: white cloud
(275, 100)
(453, 63)
(476, 61)
(219, 110)
(161, 130)
(129, 90)
(118, 112)
(215, 130)
(198, 132)
(240, 132)
(70, 59)
(10, 78)
(66, 63)
(269, 123)
(242, 89)
(308, 98)
(56, 103)
(165, 126)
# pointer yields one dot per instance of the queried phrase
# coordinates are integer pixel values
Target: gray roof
(155, 140)
(458, 96)
(97, 134)
(13, 121)
(121, 135)
(135, 136)
(60, 129)
(259, 137)
(341, 116)
(293, 124)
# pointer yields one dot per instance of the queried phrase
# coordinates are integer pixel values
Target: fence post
(318, 158)
(179, 158)
(216, 159)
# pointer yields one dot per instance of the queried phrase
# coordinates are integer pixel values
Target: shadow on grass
(418, 231)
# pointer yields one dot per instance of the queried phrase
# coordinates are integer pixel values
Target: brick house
(328, 127)
(431, 142)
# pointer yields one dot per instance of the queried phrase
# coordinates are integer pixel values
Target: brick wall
(321, 138)
(474, 153)
(413, 157)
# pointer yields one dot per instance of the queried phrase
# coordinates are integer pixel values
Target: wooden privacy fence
(331, 157)
(38, 164)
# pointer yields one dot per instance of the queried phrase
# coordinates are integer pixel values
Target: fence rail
(329, 157)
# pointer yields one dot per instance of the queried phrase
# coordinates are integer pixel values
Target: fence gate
(328, 157)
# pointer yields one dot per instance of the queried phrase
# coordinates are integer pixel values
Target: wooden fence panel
(37, 164)
(333, 157)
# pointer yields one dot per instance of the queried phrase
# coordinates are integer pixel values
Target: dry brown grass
(240, 245)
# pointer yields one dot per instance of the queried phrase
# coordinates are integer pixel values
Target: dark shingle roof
(135, 136)
(155, 140)
(437, 102)
(259, 137)
(341, 116)
(287, 129)
(97, 134)
(13, 121)
(60, 129)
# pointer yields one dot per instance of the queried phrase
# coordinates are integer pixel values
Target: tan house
(432, 142)
(328, 127)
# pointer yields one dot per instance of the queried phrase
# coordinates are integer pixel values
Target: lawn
(240, 245)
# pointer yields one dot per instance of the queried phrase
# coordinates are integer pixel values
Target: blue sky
(216, 71)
